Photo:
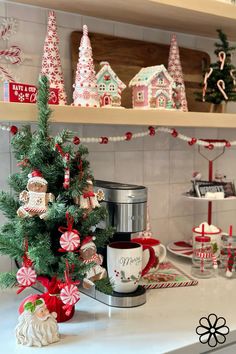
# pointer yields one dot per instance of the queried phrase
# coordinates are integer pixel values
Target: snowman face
(37, 187)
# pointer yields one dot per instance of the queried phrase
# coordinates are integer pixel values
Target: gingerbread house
(110, 86)
(152, 87)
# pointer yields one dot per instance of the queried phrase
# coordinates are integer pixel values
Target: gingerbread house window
(102, 87)
(160, 81)
(112, 87)
(140, 96)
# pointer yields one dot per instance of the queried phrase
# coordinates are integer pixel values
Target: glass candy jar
(228, 255)
(204, 262)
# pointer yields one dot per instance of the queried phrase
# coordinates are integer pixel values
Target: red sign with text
(24, 93)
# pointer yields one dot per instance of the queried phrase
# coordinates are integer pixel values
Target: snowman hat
(88, 242)
(36, 176)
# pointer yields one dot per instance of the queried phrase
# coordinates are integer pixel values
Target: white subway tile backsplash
(129, 167)
(5, 264)
(180, 205)
(128, 31)
(225, 219)
(131, 145)
(98, 25)
(156, 167)
(160, 229)
(180, 228)
(178, 144)
(160, 141)
(69, 20)
(181, 166)
(5, 172)
(30, 38)
(158, 200)
(97, 131)
(2, 9)
(102, 165)
(27, 13)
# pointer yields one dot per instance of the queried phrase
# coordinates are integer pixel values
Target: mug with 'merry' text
(125, 265)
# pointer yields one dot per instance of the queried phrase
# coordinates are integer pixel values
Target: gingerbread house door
(106, 100)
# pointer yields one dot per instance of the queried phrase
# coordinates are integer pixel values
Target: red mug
(159, 251)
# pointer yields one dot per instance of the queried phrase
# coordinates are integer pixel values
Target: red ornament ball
(152, 131)
(128, 136)
(192, 141)
(210, 147)
(104, 140)
(174, 133)
(76, 140)
(13, 130)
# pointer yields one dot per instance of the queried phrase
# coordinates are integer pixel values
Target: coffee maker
(127, 212)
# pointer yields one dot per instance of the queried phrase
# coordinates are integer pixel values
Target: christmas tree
(220, 79)
(47, 229)
(85, 88)
(51, 62)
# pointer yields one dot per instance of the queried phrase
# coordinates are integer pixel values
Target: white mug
(159, 249)
(124, 265)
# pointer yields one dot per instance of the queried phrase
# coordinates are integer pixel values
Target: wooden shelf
(27, 112)
(201, 17)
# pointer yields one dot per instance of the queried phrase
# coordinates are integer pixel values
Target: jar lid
(202, 239)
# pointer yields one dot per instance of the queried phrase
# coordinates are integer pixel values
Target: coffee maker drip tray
(137, 298)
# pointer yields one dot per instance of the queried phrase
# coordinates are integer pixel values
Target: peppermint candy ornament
(70, 238)
(26, 276)
(69, 241)
(69, 294)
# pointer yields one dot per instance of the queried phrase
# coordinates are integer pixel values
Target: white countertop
(167, 322)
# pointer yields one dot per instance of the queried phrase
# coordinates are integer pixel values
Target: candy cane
(214, 261)
(8, 28)
(222, 56)
(207, 75)
(13, 54)
(221, 87)
(4, 74)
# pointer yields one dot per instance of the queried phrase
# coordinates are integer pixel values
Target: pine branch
(8, 205)
(43, 108)
(11, 248)
(7, 280)
(104, 286)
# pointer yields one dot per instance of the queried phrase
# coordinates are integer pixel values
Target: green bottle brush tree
(31, 237)
(220, 79)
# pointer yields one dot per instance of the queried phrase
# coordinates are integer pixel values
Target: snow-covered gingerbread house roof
(106, 68)
(146, 75)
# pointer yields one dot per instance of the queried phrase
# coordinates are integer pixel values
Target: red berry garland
(152, 131)
(76, 140)
(210, 147)
(13, 130)
(128, 136)
(174, 133)
(192, 141)
(104, 140)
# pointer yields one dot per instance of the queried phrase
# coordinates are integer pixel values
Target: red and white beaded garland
(128, 136)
